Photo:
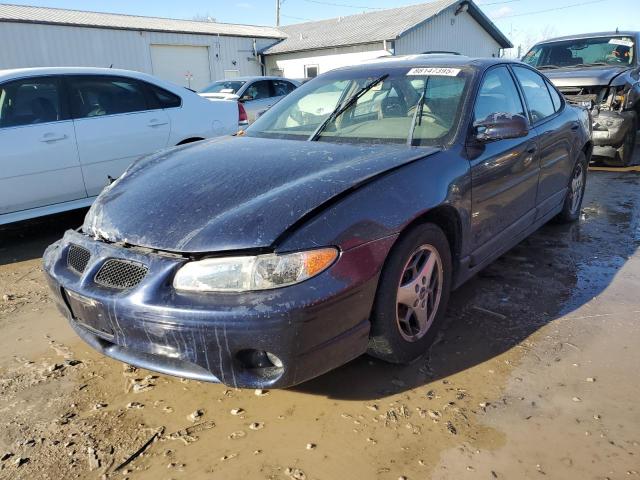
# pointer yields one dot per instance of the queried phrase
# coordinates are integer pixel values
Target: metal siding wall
(465, 36)
(35, 45)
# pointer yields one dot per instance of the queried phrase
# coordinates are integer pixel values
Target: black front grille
(120, 274)
(78, 258)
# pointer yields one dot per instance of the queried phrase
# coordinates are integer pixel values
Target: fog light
(255, 359)
(275, 361)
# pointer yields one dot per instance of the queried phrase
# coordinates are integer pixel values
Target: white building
(312, 48)
(185, 52)
(194, 53)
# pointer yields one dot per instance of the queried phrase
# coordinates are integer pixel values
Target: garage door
(184, 65)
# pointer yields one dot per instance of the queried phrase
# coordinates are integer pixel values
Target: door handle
(52, 137)
(575, 127)
(156, 123)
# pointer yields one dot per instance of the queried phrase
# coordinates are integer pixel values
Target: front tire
(412, 295)
(625, 152)
(575, 192)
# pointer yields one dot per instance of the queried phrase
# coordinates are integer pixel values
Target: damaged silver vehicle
(601, 72)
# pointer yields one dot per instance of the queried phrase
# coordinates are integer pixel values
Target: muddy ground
(535, 374)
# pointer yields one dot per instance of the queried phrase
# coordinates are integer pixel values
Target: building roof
(57, 16)
(373, 27)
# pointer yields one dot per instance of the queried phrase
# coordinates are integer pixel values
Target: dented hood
(233, 193)
(584, 77)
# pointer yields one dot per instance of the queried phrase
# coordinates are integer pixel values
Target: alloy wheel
(419, 293)
(577, 183)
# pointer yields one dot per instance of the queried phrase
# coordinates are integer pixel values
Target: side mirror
(499, 126)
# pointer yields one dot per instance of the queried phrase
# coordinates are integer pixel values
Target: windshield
(615, 50)
(224, 86)
(338, 106)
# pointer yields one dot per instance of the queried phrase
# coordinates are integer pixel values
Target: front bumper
(610, 128)
(312, 327)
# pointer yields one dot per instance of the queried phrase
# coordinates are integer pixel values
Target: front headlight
(260, 272)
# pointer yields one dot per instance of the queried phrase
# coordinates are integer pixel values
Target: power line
(497, 3)
(296, 18)
(581, 4)
(360, 7)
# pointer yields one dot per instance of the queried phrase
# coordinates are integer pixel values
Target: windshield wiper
(418, 112)
(592, 64)
(542, 67)
(344, 106)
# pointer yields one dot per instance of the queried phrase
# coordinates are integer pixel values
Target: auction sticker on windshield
(442, 71)
(621, 41)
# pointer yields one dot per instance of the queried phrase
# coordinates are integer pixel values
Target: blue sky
(511, 16)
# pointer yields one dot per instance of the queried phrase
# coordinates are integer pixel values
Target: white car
(65, 131)
(256, 94)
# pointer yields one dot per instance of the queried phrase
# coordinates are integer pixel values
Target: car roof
(39, 71)
(251, 78)
(623, 33)
(429, 60)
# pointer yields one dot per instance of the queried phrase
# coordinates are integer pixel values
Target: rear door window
(555, 97)
(536, 92)
(161, 98)
(97, 96)
(30, 102)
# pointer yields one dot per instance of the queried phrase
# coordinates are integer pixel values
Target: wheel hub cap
(419, 292)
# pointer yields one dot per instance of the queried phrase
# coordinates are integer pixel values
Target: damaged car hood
(584, 77)
(233, 193)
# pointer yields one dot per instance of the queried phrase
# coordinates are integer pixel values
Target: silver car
(257, 94)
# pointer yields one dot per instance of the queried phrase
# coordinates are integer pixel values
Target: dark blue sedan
(336, 225)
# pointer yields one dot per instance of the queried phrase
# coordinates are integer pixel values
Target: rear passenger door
(38, 156)
(116, 121)
(555, 132)
(504, 173)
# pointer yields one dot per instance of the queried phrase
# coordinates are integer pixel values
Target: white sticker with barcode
(441, 71)
(621, 41)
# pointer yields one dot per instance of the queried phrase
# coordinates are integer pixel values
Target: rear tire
(575, 192)
(412, 295)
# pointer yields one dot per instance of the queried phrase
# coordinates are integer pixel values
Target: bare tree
(203, 18)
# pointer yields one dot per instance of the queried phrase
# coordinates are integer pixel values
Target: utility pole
(277, 13)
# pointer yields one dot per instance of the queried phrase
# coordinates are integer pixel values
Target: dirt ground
(535, 374)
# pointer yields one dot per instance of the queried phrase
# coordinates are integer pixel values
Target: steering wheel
(427, 113)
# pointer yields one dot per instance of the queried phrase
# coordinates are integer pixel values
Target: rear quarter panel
(202, 118)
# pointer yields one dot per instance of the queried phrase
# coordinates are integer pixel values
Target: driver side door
(504, 173)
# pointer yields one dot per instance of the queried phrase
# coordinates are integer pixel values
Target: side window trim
(110, 78)
(545, 119)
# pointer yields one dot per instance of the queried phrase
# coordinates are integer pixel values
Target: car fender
(387, 205)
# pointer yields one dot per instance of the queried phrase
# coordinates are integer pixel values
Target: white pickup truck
(65, 131)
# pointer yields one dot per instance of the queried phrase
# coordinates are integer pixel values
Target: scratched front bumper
(312, 327)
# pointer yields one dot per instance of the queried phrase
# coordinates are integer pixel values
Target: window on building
(311, 71)
(29, 102)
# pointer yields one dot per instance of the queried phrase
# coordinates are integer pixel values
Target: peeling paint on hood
(233, 193)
